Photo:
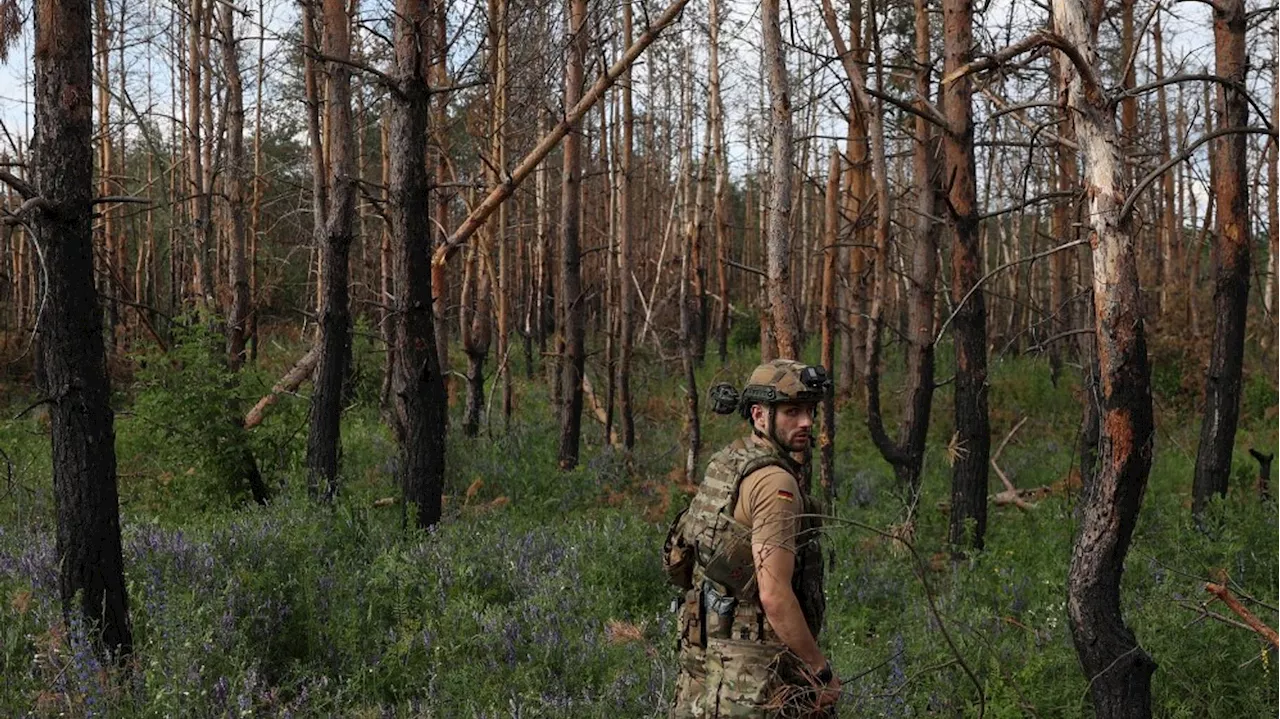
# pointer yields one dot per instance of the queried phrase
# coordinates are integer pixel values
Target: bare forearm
(784, 613)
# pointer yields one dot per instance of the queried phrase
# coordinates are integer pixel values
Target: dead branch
(1221, 592)
(290, 382)
(24, 188)
(1155, 174)
(508, 186)
(1033, 41)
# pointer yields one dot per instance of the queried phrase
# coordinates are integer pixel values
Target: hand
(830, 693)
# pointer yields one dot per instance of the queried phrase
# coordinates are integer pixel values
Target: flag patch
(785, 495)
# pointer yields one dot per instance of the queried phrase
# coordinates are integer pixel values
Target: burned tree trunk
(778, 234)
(972, 424)
(72, 353)
(335, 248)
(572, 325)
(907, 454)
(1118, 671)
(237, 322)
(417, 387)
(1230, 261)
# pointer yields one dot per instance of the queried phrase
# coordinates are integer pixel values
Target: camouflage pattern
(777, 382)
(732, 663)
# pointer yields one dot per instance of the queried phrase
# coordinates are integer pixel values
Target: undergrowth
(540, 594)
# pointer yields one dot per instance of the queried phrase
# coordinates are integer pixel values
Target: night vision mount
(725, 398)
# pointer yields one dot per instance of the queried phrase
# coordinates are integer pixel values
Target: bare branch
(24, 188)
(1030, 258)
(1152, 176)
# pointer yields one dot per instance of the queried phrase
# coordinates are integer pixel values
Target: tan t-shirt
(769, 502)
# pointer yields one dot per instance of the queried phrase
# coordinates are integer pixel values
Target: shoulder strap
(755, 458)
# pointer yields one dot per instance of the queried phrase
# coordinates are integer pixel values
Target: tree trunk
(106, 166)
(1118, 671)
(907, 455)
(442, 197)
(973, 432)
(720, 201)
(778, 240)
(200, 199)
(1168, 221)
(1273, 215)
(626, 268)
(324, 440)
(498, 165)
(234, 171)
(1064, 231)
(1230, 261)
(571, 310)
(418, 395)
(830, 317)
(72, 353)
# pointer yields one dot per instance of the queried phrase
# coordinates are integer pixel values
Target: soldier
(747, 553)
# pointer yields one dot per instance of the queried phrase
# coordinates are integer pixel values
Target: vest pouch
(742, 677)
(678, 555)
(726, 558)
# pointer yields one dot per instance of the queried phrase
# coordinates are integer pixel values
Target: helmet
(782, 381)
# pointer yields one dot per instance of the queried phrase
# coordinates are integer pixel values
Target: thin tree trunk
(233, 171)
(499, 163)
(442, 198)
(721, 166)
(830, 317)
(324, 440)
(255, 212)
(907, 455)
(972, 424)
(1064, 230)
(1230, 261)
(571, 309)
(626, 269)
(857, 207)
(1119, 672)
(106, 166)
(72, 366)
(1273, 215)
(200, 219)
(1168, 220)
(418, 395)
(778, 241)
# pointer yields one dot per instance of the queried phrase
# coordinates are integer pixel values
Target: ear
(757, 412)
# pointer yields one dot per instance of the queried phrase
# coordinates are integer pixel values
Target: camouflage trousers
(739, 679)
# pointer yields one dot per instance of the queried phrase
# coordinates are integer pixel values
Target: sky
(1187, 31)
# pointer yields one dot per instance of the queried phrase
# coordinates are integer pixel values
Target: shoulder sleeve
(769, 503)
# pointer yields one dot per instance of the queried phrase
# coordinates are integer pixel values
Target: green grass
(541, 593)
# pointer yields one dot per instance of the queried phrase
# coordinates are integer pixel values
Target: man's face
(793, 424)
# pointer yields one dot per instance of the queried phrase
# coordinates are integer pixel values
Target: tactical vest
(724, 599)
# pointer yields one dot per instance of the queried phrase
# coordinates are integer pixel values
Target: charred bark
(417, 385)
(72, 362)
(1118, 671)
(324, 439)
(1230, 261)
(572, 324)
(972, 424)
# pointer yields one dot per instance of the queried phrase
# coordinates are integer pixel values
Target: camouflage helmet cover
(782, 381)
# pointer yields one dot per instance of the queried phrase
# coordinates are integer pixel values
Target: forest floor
(541, 594)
